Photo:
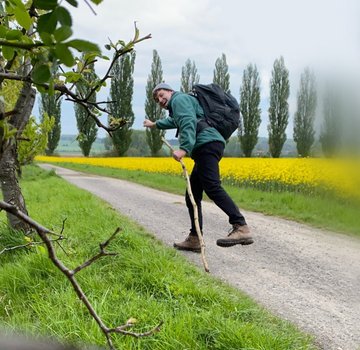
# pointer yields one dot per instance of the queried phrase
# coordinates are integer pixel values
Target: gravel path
(305, 275)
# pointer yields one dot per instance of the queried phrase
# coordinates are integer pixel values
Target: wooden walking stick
(196, 215)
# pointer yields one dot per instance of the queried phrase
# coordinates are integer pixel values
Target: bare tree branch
(99, 255)
(92, 10)
(91, 107)
(70, 274)
(21, 45)
(128, 324)
(118, 53)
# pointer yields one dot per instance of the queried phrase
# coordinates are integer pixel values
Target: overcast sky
(323, 34)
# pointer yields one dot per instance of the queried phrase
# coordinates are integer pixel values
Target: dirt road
(305, 275)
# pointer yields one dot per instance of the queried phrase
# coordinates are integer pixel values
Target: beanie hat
(162, 86)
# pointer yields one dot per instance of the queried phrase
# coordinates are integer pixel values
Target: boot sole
(228, 243)
(195, 250)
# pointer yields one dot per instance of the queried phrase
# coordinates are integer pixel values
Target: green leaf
(46, 38)
(89, 56)
(73, 2)
(3, 31)
(45, 4)
(96, 2)
(63, 16)
(72, 77)
(41, 250)
(41, 73)
(64, 55)
(83, 45)
(62, 33)
(8, 52)
(47, 23)
(16, 3)
(22, 17)
(41, 89)
(14, 34)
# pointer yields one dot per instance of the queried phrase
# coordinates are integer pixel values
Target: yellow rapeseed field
(297, 174)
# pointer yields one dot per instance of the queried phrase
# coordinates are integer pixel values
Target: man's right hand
(179, 154)
(148, 123)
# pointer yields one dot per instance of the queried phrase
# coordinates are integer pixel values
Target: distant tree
(221, 74)
(233, 147)
(331, 127)
(108, 143)
(279, 107)
(189, 76)
(50, 105)
(85, 124)
(139, 146)
(121, 93)
(351, 120)
(249, 110)
(152, 110)
(304, 132)
(35, 139)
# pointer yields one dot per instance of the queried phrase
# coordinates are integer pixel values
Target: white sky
(323, 34)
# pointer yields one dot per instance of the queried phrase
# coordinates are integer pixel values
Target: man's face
(163, 97)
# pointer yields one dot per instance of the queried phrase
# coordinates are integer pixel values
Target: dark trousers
(206, 177)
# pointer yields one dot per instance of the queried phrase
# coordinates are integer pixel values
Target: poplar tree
(50, 106)
(189, 76)
(221, 74)
(152, 110)
(304, 132)
(279, 107)
(121, 93)
(85, 124)
(331, 128)
(250, 111)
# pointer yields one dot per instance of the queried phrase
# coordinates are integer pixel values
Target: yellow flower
(300, 174)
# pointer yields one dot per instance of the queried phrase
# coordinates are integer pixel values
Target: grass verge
(327, 213)
(145, 280)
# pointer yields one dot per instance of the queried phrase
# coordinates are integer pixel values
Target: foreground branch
(29, 244)
(70, 274)
(99, 255)
(196, 215)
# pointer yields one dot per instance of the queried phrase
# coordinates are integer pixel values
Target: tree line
(334, 134)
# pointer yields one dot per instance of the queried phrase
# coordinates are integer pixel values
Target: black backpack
(220, 108)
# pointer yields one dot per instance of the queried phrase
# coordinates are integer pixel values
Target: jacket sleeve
(166, 123)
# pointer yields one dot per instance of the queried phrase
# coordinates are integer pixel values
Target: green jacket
(184, 112)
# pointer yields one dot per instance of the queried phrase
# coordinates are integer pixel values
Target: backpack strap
(201, 125)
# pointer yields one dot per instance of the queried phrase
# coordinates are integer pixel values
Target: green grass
(145, 280)
(326, 213)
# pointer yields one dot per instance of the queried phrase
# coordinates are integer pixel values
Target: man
(206, 148)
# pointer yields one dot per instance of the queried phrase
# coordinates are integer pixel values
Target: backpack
(221, 109)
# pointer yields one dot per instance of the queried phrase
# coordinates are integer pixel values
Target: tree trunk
(9, 163)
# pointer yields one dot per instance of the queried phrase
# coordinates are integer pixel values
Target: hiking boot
(238, 235)
(191, 243)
